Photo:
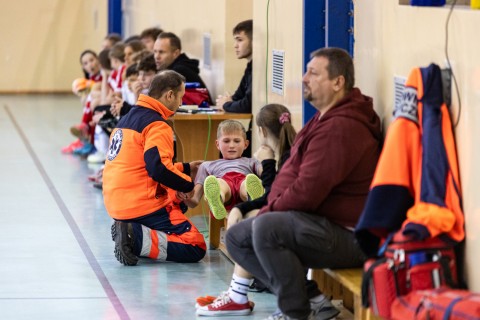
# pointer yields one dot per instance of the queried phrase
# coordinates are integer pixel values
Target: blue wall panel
(313, 39)
(115, 16)
(327, 23)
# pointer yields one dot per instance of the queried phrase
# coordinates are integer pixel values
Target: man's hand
(221, 100)
(194, 168)
(184, 195)
(263, 153)
(187, 198)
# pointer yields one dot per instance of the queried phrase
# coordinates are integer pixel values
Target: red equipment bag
(196, 96)
(406, 265)
(437, 304)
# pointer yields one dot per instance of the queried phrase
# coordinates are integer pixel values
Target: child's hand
(137, 87)
(263, 153)
(97, 116)
(117, 105)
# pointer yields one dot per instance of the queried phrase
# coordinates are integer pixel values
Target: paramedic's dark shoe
(122, 234)
(254, 186)
(211, 188)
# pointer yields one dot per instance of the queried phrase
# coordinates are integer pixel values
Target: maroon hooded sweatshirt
(332, 163)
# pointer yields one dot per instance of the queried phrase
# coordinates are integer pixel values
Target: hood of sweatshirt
(184, 61)
(357, 106)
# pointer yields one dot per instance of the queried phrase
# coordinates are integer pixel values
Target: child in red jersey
(82, 87)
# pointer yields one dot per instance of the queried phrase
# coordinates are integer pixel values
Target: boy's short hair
(113, 38)
(103, 58)
(131, 71)
(151, 33)
(164, 81)
(147, 64)
(245, 26)
(136, 45)
(175, 42)
(231, 126)
(132, 38)
(117, 52)
(137, 56)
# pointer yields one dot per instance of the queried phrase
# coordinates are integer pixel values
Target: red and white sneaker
(224, 306)
(204, 300)
(72, 146)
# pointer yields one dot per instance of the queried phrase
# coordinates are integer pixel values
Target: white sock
(238, 289)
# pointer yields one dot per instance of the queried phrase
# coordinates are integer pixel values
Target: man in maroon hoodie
(318, 196)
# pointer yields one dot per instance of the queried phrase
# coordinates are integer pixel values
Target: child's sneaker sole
(211, 188)
(254, 186)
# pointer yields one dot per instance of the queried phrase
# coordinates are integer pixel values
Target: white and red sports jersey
(115, 79)
(96, 77)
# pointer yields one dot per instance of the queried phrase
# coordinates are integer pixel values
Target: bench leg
(359, 313)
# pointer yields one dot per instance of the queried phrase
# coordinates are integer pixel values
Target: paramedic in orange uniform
(140, 181)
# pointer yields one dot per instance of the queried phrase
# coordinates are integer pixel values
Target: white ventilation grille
(278, 68)
(398, 88)
(207, 51)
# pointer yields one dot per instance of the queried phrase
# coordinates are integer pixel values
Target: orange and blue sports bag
(406, 265)
(437, 304)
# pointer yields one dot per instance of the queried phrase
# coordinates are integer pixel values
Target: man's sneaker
(80, 131)
(211, 188)
(72, 146)
(278, 315)
(224, 306)
(96, 157)
(254, 186)
(323, 310)
(122, 234)
(258, 286)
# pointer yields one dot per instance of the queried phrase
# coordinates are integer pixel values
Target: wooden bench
(346, 285)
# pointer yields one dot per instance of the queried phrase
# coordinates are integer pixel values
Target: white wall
(42, 40)
(391, 39)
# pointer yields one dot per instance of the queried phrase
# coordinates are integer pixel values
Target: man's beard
(307, 95)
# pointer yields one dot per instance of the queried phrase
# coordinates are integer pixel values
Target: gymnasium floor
(57, 257)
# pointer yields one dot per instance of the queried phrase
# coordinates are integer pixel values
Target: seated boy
(230, 180)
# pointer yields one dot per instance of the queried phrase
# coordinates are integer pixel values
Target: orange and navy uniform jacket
(139, 170)
(416, 186)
